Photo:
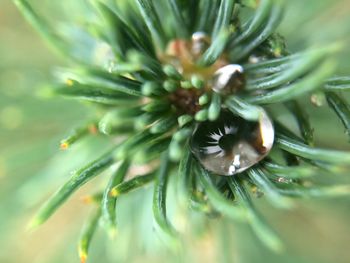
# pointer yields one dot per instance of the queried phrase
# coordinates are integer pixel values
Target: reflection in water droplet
(231, 144)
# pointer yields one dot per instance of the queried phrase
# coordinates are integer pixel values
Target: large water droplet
(231, 144)
(229, 79)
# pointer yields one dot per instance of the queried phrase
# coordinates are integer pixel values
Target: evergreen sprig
(139, 90)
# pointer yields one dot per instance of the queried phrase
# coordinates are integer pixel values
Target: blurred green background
(32, 166)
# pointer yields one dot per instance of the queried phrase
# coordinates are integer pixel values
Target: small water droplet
(200, 43)
(231, 144)
(229, 79)
(318, 99)
(253, 59)
(284, 180)
(111, 66)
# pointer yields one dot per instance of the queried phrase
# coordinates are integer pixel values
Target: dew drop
(229, 79)
(200, 43)
(283, 180)
(231, 144)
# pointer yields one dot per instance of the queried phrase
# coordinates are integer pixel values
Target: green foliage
(136, 91)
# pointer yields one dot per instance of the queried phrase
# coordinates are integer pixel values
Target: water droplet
(253, 59)
(231, 144)
(200, 43)
(318, 99)
(284, 180)
(111, 66)
(229, 79)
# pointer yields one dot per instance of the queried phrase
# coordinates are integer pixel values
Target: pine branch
(161, 89)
